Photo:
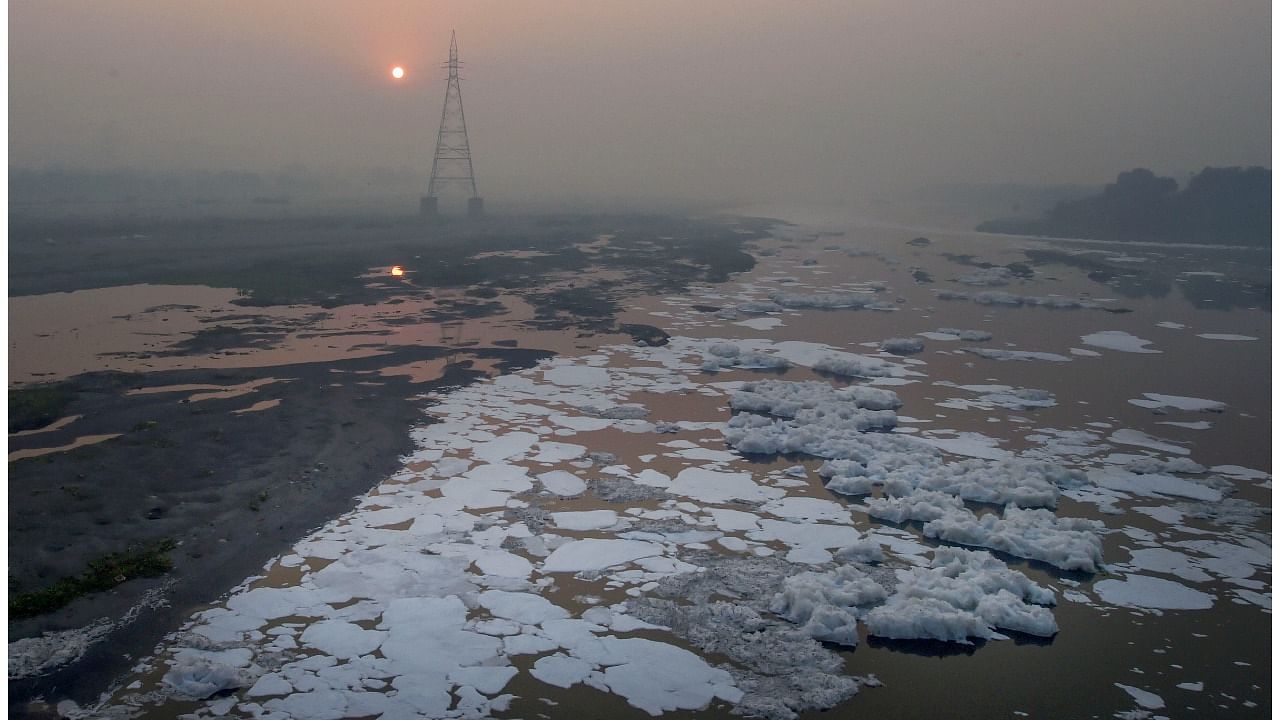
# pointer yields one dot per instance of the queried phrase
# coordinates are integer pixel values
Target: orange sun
(397, 72)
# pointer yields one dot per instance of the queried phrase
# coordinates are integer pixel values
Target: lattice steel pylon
(451, 165)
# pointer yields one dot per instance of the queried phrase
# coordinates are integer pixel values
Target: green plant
(34, 407)
(101, 574)
(256, 503)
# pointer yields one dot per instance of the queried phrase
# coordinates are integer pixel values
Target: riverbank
(229, 425)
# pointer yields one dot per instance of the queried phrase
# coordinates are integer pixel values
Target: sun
(397, 72)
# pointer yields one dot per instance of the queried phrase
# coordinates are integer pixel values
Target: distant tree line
(1227, 205)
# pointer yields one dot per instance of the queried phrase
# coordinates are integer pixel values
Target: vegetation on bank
(37, 406)
(104, 573)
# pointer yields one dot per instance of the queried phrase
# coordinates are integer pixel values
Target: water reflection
(925, 648)
(1227, 279)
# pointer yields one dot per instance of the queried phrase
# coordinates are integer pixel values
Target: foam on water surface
(529, 493)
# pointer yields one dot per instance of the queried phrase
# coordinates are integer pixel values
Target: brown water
(55, 425)
(1073, 674)
(78, 442)
(141, 328)
(258, 406)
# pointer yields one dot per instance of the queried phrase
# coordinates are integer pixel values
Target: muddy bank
(324, 261)
(229, 488)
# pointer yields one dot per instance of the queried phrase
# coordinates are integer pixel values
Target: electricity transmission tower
(451, 165)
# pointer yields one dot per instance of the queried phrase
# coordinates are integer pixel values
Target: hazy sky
(732, 100)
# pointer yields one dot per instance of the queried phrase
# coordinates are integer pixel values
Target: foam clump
(920, 506)
(841, 435)
(816, 418)
(902, 346)
(962, 594)
(790, 399)
(198, 678)
(33, 656)
(621, 412)
(967, 335)
(925, 619)
(864, 550)
(721, 355)
(853, 366)
(991, 276)
(781, 672)
(1065, 543)
(1147, 465)
(1026, 483)
(822, 603)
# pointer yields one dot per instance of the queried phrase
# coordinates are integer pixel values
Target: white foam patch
(563, 483)
(1145, 699)
(577, 376)
(1022, 355)
(1178, 402)
(810, 542)
(713, 486)
(760, 323)
(1152, 484)
(554, 452)
(808, 509)
(1226, 336)
(1241, 472)
(1118, 340)
(1191, 686)
(561, 670)
(1168, 562)
(1167, 515)
(1197, 425)
(505, 446)
(525, 608)
(658, 678)
(342, 640)
(1141, 439)
(597, 554)
(585, 519)
(32, 656)
(1142, 591)
(969, 444)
